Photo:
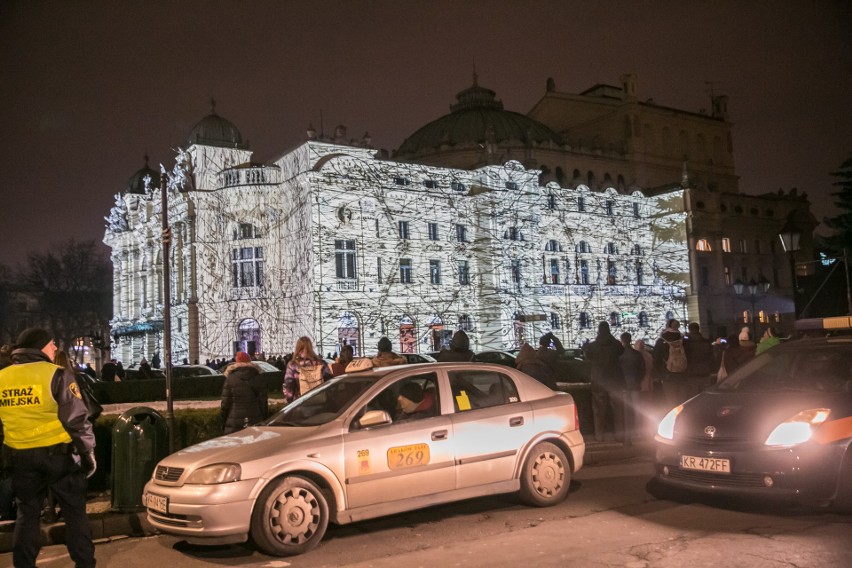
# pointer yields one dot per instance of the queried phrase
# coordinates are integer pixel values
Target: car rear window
(820, 368)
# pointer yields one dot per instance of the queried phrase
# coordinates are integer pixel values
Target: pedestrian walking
(50, 444)
(700, 361)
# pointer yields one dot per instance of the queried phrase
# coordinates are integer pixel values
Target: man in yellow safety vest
(49, 444)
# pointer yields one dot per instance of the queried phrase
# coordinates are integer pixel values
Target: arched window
(583, 246)
(643, 319)
(552, 246)
(703, 245)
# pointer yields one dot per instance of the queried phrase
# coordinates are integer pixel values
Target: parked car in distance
(779, 428)
(266, 367)
(135, 374)
(496, 357)
(368, 444)
(418, 358)
(182, 371)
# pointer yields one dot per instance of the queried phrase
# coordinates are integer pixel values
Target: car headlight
(216, 473)
(797, 429)
(667, 424)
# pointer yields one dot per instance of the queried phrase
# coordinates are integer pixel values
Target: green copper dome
(213, 130)
(136, 183)
(477, 117)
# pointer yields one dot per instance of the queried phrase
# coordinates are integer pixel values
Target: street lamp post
(167, 311)
(790, 236)
(755, 290)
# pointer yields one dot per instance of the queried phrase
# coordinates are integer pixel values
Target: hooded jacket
(244, 397)
(459, 350)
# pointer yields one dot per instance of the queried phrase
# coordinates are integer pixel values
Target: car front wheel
(290, 517)
(546, 476)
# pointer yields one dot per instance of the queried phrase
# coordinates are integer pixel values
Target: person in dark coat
(530, 363)
(109, 371)
(633, 369)
(459, 350)
(343, 360)
(700, 361)
(674, 383)
(604, 356)
(244, 395)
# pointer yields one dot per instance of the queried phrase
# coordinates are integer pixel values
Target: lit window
(726, 244)
(703, 245)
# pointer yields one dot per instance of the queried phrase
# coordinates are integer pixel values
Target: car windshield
(323, 404)
(824, 368)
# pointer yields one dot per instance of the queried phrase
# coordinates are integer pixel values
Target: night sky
(88, 88)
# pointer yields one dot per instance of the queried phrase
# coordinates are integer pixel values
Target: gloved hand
(88, 464)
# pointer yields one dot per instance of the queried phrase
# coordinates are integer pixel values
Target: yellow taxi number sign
(402, 457)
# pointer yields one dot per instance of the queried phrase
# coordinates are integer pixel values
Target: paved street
(608, 520)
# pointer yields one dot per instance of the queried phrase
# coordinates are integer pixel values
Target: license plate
(157, 502)
(714, 465)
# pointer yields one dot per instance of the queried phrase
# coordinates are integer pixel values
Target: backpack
(310, 377)
(676, 361)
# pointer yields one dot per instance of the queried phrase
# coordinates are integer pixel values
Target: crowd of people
(49, 466)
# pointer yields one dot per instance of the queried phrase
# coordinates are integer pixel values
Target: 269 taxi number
(414, 455)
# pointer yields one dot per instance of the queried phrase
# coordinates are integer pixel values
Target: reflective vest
(27, 407)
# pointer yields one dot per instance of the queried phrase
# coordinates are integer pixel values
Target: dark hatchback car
(778, 429)
(497, 357)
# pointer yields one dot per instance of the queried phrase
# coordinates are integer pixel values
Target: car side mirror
(374, 418)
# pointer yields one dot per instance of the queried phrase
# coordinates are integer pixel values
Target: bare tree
(73, 288)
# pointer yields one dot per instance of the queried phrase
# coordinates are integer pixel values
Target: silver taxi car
(368, 444)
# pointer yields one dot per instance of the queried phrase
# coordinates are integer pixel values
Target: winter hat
(385, 345)
(33, 338)
(242, 357)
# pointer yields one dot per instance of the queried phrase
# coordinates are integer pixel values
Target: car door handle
(439, 435)
(516, 421)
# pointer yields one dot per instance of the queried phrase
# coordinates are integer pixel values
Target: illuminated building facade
(333, 242)
(609, 137)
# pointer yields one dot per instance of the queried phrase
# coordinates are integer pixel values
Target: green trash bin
(139, 441)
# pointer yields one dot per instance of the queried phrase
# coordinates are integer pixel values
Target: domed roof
(213, 130)
(136, 183)
(476, 117)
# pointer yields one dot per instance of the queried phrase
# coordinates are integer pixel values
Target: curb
(113, 524)
(105, 526)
